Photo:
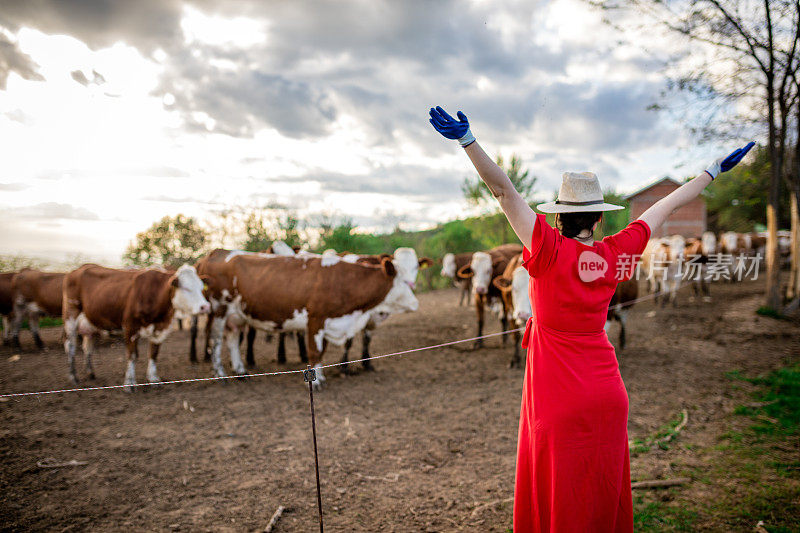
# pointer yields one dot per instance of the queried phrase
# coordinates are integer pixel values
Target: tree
(257, 234)
(744, 59)
(171, 242)
(477, 193)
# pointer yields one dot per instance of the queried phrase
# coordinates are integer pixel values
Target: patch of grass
(769, 312)
(777, 407)
(650, 515)
(44, 322)
(645, 445)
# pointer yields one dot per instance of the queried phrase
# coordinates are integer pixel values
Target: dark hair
(571, 224)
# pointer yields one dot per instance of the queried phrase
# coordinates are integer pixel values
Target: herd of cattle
(320, 298)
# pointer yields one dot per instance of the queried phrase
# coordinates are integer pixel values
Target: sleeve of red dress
(629, 244)
(632, 239)
(538, 254)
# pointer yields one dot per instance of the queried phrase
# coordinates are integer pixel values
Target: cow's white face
(400, 299)
(281, 248)
(730, 240)
(188, 296)
(407, 265)
(481, 266)
(709, 241)
(520, 296)
(677, 246)
(449, 266)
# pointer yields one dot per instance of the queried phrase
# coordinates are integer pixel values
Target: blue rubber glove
(736, 156)
(724, 165)
(450, 127)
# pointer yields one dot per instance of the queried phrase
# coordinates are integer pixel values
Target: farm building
(689, 220)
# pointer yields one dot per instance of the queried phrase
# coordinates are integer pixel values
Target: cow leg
(251, 339)
(315, 340)
(132, 348)
(33, 324)
(504, 326)
(152, 375)
(88, 351)
(479, 313)
(366, 338)
(207, 357)
(232, 340)
(343, 363)
(622, 316)
(215, 334)
(301, 346)
(515, 361)
(70, 344)
(16, 324)
(281, 348)
(6, 330)
(193, 340)
(180, 324)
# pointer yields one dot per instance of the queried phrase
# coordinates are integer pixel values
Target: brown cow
(36, 293)
(6, 304)
(208, 266)
(140, 302)
(621, 302)
(483, 268)
(514, 287)
(451, 264)
(695, 261)
(407, 265)
(330, 300)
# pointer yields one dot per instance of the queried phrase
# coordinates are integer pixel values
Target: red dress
(573, 469)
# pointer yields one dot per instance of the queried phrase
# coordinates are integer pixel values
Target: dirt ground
(424, 443)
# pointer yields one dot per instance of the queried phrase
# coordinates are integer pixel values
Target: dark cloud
(13, 60)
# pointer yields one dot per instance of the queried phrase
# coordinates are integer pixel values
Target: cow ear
(425, 262)
(464, 272)
(386, 256)
(297, 248)
(501, 283)
(174, 281)
(388, 267)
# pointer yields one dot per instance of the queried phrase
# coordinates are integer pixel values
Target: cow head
(481, 268)
(521, 296)
(400, 298)
(187, 297)
(449, 266)
(709, 241)
(408, 265)
(281, 248)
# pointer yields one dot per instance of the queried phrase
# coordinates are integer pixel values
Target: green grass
(769, 312)
(653, 515)
(44, 322)
(645, 445)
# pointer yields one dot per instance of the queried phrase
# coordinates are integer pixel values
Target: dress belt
(529, 326)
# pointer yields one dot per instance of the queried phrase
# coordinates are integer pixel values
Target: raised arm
(661, 210)
(517, 211)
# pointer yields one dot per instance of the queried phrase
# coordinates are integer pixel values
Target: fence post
(310, 375)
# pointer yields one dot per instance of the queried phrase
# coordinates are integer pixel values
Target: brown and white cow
(452, 263)
(622, 301)
(207, 265)
(331, 302)
(514, 287)
(483, 268)
(663, 266)
(140, 302)
(36, 293)
(407, 264)
(6, 304)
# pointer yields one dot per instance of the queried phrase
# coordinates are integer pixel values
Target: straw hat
(579, 193)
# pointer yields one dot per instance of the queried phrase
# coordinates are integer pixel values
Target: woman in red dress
(573, 469)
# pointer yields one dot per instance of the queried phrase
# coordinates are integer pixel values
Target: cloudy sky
(116, 113)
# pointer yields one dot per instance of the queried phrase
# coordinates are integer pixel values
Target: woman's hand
(450, 127)
(724, 165)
